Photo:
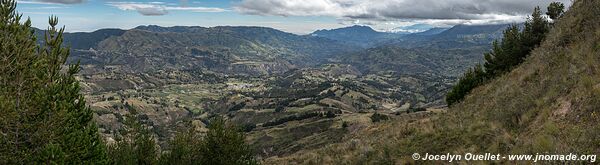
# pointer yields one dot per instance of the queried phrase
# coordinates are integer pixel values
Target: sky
(294, 16)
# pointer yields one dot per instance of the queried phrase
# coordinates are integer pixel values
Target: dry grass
(549, 104)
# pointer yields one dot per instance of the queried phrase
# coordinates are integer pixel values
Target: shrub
(224, 144)
(344, 124)
(376, 117)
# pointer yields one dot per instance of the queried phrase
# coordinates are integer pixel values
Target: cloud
(197, 9)
(159, 8)
(148, 9)
(386, 10)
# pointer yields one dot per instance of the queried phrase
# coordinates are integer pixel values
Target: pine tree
(555, 10)
(136, 144)
(224, 144)
(471, 79)
(17, 53)
(505, 55)
(184, 149)
(535, 30)
(45, 119)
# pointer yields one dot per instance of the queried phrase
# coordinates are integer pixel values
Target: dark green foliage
(44, 117)
(421, 109)
(555, 10)
(237, 107)
(279, 109)
(136, 144)
(295, 117)
(376, 117)
(184, 149)
(505, 55)
(248, 127)
(535, 30)
(329, 114)
(345, 124)
(224, 144)
(473, 78)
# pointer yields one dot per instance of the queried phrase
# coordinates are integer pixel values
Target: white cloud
(197, 9)
(159, 8)
(457, 11)
(149, 9)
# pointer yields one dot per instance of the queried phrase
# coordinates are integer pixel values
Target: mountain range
(548, 104)
(268, 81)
(253, 50)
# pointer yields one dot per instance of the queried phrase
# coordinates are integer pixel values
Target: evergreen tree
(470, 80)
(555, 10)
(136, 145)
(184, 149)
(45, 119)
(505, 55)
(18, 84)
(224, 144)
(536, 28)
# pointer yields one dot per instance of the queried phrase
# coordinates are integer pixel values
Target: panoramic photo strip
(294, 82)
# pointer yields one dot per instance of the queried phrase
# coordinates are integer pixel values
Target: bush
(135, 146)
(376, 117)
(286, 119)
(237, 107)
(421, 109)
(344, 124)
(329, 114)
(224, 144)
(248, 127)
(279, 109)
(472, 79)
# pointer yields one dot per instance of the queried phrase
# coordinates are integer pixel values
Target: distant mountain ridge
(262, 50)
(459, 34)
(252, 50)
(84, 40)
(360, 35)
(461, 31)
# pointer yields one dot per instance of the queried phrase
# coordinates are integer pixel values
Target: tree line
(44, 118)
(508, 53)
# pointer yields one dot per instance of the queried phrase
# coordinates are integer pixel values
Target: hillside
(359, 35)
(270, 82)
(459, 36)
(249, 50)
(290, 93)
(396, 58)
(84, 40)
(549, 104)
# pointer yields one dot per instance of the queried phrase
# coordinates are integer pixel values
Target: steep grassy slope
(449, 62)
(549, 104)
